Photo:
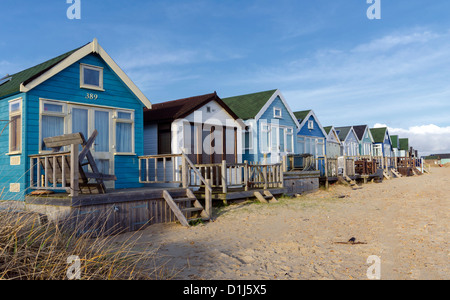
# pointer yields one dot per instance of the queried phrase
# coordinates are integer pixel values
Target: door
(86, 120)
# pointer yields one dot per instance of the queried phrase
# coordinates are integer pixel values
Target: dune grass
(30, 250)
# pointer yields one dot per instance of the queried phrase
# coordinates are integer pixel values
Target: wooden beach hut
(349, 141)
(271, 126)
(311, 137)
(84, 91)
(365, 139)
(333, 149)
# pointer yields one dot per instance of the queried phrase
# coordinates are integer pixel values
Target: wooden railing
(55, 171)
(160, 168)
(222, 176)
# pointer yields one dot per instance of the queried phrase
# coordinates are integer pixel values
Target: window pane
(124, 115)
(123, 137)
(289, 143)
(80, 121)
(91, 77)
(14, 106)
(53, 108)
(16, 129)
(102, 126)
(281, 131)
(51, 126)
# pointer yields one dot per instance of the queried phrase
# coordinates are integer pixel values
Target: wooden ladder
(397, 174)
(266, 198)
(386, 175)
(187, 208)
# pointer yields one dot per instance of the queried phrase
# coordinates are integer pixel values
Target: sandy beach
(405, 222)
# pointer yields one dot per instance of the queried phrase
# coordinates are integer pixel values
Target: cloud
(394, 40)
(428, 139)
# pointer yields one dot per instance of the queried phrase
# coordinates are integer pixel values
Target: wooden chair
(59, 166)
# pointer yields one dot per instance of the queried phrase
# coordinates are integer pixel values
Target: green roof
(13, 86)
(248, 106)
(394, 139)
(327, 129)
(301, 115)
(343, 132)
(378, 134)
(403, 144)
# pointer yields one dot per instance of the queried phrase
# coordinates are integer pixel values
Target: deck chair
(61, 164)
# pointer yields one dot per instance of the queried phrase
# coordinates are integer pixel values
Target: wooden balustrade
(222, 176)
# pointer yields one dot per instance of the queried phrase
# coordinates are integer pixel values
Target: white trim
(332, 130)
(19, 112)
(269, 102)
(89, 86)
(92, 47)
(304, 121)
(275, 110)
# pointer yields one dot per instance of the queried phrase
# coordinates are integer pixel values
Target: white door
(86, 120)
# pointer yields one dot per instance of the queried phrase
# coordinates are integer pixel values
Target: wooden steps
(266, 198)
(186, 208)
(397, 174)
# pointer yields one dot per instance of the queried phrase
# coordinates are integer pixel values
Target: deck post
(246, 175)
(224, 176)
(74, 172)
(184, 172)
(208, 198)
(326, 172)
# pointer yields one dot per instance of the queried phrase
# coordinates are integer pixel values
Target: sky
(325, 55)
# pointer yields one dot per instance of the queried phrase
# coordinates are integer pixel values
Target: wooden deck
(116, 211)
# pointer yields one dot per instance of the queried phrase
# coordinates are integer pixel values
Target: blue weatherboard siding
(65, 86)
(17, 173)
(316, 132)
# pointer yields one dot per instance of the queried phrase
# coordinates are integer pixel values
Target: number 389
(91, 96)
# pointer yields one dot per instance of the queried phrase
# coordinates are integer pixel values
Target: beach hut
(349, 141)
(382, 145)
(333, 149)
(271, 125)
(365, 139)
(395, 144)
(82, 90)
(403, 147)
(311, 137)
(203, 127)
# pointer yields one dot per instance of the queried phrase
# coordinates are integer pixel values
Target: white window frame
(12, 115)
(114, 113)
(248, 130)
(277, 113)
(42, 112)
(131, 121)
(89, 86)
(265, 130)
(310, 124)
(289, 133)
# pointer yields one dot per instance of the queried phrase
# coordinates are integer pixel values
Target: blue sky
(324, 55)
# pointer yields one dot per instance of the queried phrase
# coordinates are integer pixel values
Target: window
(15, 126)
(265, 137)
(52, 121)
(277, 112)
(248, 138)
(289, 140)
(310, 124)
(301, 144)
(320, 147)
(91, 77)
(124, 133)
